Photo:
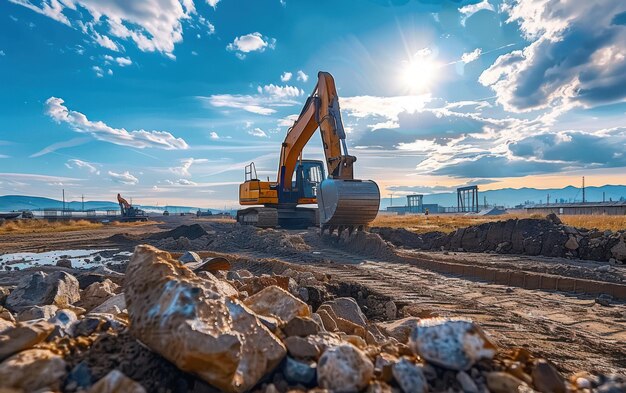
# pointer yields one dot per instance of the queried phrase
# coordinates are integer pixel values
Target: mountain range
(507, 197)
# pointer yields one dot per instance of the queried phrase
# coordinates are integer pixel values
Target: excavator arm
(321, 110)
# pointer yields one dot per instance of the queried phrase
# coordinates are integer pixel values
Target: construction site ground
(576, 327)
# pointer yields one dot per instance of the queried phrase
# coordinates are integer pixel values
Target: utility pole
(603, 196)
(548, 199)
(391, 203)
(83, 199)
(64, 201)
(583, 189)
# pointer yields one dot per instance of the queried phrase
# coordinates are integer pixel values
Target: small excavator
(344, 203)
(129, 212)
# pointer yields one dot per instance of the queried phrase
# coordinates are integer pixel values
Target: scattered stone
(37, 312)
(298, 372)
(302, 348)
(467, 383)
(189, 322)
(571, 243)
(278, 303)
(254, 285)
(113, 305)
(58, 288)
(4, 293)
(63, 322)
(79, 378)
(23, 336)
(64, 262)
(501, 382)
(400, 329)
(344, 368)
(348, 309)
(391, 310)
(410, 377)
(33, 370)
(190, 257)
(451, 343)
(97, 293)
(553, 218)
(116, 382)
(6, 315)
(301, 326)
(547, 379)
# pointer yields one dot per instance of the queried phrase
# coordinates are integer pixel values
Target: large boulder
(344, 368)
(32, 371)
(455, 344)
(278, 303)
(191, 323)
(348, 309)
(116, 382)
(38, 289)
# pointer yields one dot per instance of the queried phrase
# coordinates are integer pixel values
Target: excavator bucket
(347, 204)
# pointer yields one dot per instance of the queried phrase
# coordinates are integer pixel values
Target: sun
(419, 73)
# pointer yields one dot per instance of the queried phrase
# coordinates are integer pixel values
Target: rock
(302, 348)
(348, 309)
(278, 303)
(190, 257)
(553, 218)
(79, 378)
(97, 293)
(383, 366)
(501, 382)
(6, 315)
(391, 310)
(253, 285)
(113, 305)
(451, 343)
(23, 336)
(467, 383)
(618, 251)
(298, 372)
(301, 326)
(193, 325)
(410, 377)
(116, 382)
(63, 321)
(64, 262)
(327, 320)
(33, 370)
(93, 323)
(344, 368)
(547, 379)
(571, 243)
(37, 312)
(400, 329)
(5, 325)
(58, 288)
(303, 293)
(4, 293)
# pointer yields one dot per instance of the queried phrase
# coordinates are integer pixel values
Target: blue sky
(166, 101)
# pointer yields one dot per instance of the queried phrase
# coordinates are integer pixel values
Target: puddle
(81, 259)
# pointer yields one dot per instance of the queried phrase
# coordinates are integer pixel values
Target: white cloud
(123, 178)
(258, 133)
(471, 9)
(185, 165)
(186, 182)
(279, 92)
(576, 57)
(75, 163)
(386, 109)
(250, 43)
(119, 136)
(213, 135)
(301, 76)
(212, 3)
(98, 71)
(2, 53)
(286, 76)
(152, 25)
(123, 61)
(287, 121)
(471, 56)
(60, 145)
(28, 178)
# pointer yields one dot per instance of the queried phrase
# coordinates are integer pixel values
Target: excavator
(129, 212)
(344, 203)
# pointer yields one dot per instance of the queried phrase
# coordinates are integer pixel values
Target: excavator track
(262, 217)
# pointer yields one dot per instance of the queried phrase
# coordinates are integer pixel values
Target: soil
(577, 329)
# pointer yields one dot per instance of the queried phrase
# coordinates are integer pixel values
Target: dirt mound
(362, 243)
(191, 232)
(263, 240)
(528, 236)
(124, 238)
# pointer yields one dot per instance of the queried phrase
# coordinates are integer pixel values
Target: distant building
(587, 208)
(415, 205)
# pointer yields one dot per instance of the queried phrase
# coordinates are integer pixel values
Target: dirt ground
(577, 331)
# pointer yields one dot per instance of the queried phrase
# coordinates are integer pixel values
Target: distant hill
(510, 197)
(23, 202)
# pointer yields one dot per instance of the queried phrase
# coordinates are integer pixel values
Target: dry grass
(450, 222)
(43, 226)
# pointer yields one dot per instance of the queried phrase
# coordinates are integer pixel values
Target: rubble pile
(528, 236)
(165, 328)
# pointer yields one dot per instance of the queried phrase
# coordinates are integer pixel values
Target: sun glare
(419, 73)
